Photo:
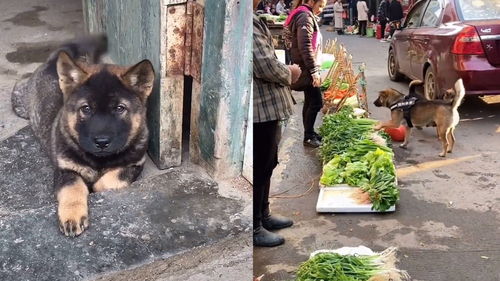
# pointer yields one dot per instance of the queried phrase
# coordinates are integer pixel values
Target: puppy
(443, 113)
(90, 118)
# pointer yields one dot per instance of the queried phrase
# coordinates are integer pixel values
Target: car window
(479, 9)
(413, 18)
(432, 14)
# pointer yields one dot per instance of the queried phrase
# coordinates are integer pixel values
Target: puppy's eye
(119, 109)
(85, 110)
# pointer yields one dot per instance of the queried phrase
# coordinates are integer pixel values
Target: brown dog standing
(443, 113)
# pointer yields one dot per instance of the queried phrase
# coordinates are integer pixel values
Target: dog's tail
(413, 85)
(89, 48)
(459, 94)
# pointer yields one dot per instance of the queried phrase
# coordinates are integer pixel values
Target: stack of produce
(354, 154)
(330, 266)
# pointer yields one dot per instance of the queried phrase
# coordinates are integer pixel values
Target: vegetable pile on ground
(356, 155)
(335, 267)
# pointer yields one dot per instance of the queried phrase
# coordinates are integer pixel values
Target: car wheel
(430, 86)
(392, 67)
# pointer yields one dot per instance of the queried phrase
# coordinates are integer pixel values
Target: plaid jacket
(271, 78)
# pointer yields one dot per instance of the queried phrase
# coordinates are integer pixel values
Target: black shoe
(318, 137)
(275, 223)
(264, 238)
(312, 142)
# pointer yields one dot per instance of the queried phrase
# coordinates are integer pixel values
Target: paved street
(447, 224)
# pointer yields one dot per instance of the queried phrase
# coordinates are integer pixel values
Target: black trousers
(288, 59)
(313, 102)
(266, 137)
(362, 27)
(383, 24)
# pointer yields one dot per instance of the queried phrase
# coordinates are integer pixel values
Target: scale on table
(343, 199)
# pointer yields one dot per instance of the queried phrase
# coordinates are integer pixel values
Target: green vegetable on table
(340, 131)
(281, 18)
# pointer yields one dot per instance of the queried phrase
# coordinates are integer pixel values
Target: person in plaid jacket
(272, 103)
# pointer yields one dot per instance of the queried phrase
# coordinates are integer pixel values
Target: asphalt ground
(446, 225)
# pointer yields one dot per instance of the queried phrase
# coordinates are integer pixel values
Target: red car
(443, 40)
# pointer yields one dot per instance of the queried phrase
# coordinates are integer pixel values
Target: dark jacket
(395, 11)
(302, 28)
(383, 11)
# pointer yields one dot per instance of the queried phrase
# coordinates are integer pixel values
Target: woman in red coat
(305, 42)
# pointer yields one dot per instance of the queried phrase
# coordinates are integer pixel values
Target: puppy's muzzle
(377, 103)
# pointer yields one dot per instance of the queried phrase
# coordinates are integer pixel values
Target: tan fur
(110, 180)
(445, 116)
(72, 208)
(69, 123)
(70, 73)
(136, 122)
(88, 173)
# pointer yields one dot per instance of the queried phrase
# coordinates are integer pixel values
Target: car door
(403, 47)
(421, 39)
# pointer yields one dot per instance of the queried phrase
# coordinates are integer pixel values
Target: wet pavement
(447, 224)
(30, 30)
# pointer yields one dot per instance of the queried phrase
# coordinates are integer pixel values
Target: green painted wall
(226, 81)
(211, 76)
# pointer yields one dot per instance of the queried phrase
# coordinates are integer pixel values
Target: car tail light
(468, 42)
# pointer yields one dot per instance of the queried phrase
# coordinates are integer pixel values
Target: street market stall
(358, 168)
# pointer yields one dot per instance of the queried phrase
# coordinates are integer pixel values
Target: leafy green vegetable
(356, 173)
(340, 132)
(329, 266)
(382, 187)
(332, 172)
(326, 84)
(352, 157)
(281, 18)
(335, 267)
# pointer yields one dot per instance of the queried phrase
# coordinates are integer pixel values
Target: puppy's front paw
(73, 220)
(403, 145)
(442, 154)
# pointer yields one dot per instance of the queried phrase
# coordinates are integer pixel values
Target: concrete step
(141, 231)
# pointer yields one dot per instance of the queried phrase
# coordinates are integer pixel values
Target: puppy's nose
(102, 142)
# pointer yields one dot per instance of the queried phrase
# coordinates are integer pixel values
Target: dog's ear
(140, 78)
(382, 96)
(449, 94)
(70, 74)
(396, 92)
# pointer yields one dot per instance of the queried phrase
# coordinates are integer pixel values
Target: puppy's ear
(70, 74)
(140, 78)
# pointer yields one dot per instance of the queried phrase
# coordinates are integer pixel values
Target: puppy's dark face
(388, 97)
(106, 110)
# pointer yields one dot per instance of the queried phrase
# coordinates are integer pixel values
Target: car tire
(392, 67)
(430, 84)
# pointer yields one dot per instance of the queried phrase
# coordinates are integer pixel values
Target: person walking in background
(353, 12)
(383, 17)
(261, 6)
(362, 16)
(395, 15)
(338, 10)
(304, 36)
(281, 8)
(272, 103)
